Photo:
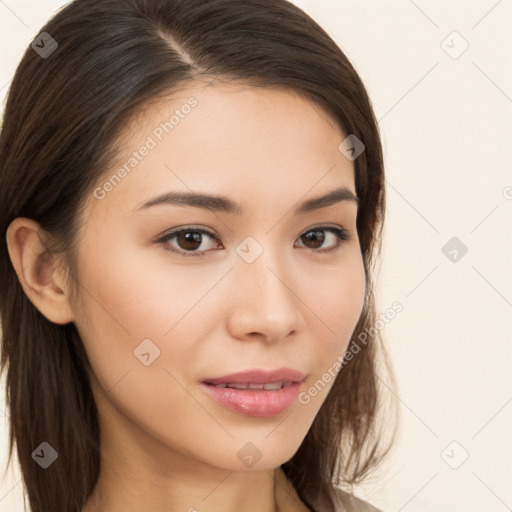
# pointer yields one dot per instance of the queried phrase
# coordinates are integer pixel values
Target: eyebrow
(228, 206)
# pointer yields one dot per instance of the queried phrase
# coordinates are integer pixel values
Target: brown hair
(63, 116)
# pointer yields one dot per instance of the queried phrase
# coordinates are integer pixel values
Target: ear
(42, 280)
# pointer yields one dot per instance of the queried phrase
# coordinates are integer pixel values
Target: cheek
(132, 296)
(337, 297)
(135, 293)
(125, 302)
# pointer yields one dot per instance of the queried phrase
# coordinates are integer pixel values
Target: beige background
(447, 128)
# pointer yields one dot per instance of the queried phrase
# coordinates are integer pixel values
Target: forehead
(258, 143)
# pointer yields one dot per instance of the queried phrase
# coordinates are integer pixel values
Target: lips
(254, 379)
(258, 393)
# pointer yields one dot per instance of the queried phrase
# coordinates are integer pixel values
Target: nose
(263, 300)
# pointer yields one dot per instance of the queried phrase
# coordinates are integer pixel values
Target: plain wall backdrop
(439, 74)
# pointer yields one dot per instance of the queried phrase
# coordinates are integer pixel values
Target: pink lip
(256, 402)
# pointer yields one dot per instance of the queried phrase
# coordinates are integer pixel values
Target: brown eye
(188, 241)
(315, 238)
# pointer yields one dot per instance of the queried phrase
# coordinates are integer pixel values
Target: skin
(166, 445)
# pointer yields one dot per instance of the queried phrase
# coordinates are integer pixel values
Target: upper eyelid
(213, 234)
(190, 228)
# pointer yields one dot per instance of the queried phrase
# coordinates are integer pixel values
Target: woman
(194, 196)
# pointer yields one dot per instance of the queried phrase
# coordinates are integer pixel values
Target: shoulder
(351, 503)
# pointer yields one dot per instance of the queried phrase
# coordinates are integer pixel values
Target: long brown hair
(62, 118)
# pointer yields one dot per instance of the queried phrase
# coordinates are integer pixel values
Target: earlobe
(37, 270)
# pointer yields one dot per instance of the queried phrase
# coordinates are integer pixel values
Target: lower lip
(256, 403)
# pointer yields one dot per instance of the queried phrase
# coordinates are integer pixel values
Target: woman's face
(157, 324)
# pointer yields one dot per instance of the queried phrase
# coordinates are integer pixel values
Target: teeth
(269, 386)
(275, 385)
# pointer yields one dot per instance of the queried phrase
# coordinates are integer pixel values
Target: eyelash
(342, 234)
